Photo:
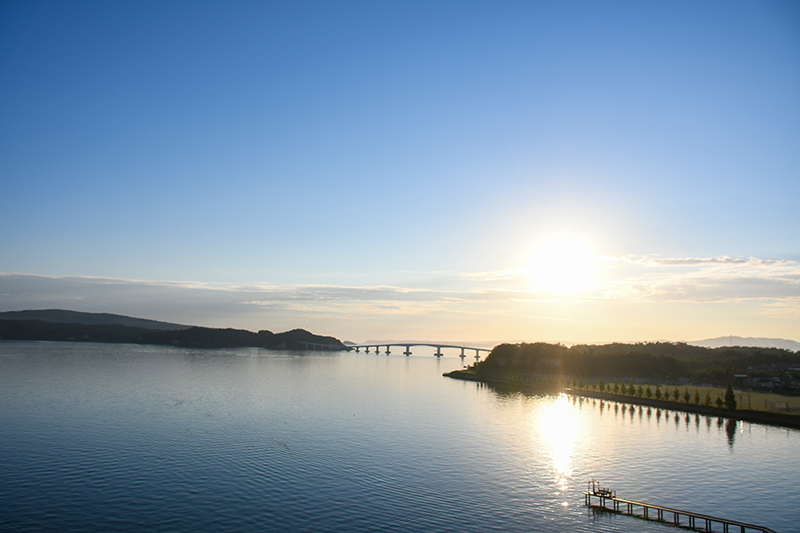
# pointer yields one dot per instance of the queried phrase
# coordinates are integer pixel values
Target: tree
(676, 394)
(639, 390)
(707, 401)
(730, 398)
(602, 385)
(616, 387)
(658, 392)
(648, 392)
(631, 389)
(686, 395)
(580, 382)
(696, 396)
(718, 401)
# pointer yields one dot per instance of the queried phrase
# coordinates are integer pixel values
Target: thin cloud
(495, 275)
(772, 285)
(693, 261)
(721, 279)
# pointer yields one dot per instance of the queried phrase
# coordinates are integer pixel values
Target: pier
(658, 513)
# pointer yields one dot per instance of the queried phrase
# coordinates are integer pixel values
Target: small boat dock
(607, 499)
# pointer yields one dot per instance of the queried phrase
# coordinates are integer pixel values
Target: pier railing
(659, 513)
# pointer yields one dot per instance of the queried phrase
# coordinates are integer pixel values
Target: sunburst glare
(562, 266)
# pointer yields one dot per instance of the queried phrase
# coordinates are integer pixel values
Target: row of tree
(729, 401)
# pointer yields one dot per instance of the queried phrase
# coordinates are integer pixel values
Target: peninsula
(75, 326)
(658, 375)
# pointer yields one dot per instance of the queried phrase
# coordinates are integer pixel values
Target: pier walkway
(646, 512)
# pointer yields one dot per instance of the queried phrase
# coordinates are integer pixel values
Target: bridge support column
(438, 351)
(462, 353)
(387, 350)
(408, 351)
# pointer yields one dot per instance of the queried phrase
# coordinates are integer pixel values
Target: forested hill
(663, 360)
(189, 336)
(65, 316)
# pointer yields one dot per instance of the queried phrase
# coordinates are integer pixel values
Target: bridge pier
(407, 352)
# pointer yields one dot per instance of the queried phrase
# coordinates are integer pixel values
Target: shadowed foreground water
(131, 438)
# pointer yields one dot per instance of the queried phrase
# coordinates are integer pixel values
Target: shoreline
(759, 417)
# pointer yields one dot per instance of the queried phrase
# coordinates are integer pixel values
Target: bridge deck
(411, 344)
(388, 345)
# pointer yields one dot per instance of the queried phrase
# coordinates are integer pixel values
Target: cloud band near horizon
(748, 287)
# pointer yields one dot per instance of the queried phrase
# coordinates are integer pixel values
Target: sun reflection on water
(559, 426)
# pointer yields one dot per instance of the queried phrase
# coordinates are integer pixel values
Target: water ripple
(121, 438)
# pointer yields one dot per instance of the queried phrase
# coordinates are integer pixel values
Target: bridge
(407, 345)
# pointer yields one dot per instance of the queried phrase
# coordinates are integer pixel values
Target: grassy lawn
(757, 401)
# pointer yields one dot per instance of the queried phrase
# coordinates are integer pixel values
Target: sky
(449, 170)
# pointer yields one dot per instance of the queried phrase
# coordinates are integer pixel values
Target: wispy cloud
(495, 275)
(691, 261)
(721, 279)
(773, 287)
(786, 307)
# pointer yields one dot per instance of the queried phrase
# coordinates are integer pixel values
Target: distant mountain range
(64, 325)
(756, 342)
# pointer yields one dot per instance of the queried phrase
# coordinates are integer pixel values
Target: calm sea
(142, 438)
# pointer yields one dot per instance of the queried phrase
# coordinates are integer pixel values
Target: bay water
(101, 437)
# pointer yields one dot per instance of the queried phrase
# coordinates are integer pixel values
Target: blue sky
(387, 169)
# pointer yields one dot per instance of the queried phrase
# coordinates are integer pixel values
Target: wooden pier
(648, 511)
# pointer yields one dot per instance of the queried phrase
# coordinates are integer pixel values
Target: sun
(562, 266)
